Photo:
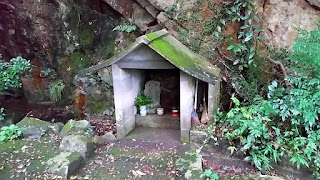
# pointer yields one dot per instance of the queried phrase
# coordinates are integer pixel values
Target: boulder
(81, 127)
(64, 164)
(107, 138)
(29, 121)
(35, 128)
(56, 127)
(35, 132)
(77, 143)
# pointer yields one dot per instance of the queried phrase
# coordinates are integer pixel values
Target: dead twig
(223, 55)
(283, 69)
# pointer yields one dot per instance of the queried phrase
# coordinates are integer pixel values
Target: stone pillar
(213, 99)
(126, 84)
(187, 87)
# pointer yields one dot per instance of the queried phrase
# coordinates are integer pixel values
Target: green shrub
(56, 90)
(11, 72)
(10, 132)
(286, 123)
(211, 175)
(10, 75)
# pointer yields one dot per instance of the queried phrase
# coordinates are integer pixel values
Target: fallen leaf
(73, 177)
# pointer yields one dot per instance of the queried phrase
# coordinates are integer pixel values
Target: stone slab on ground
(106, 138)
(168, 136)
(35, 128)
(64, 164)
(77, 143)
(166, 121)
(35, 132)
(82, 127)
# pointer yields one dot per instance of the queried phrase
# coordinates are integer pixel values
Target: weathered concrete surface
(166, 121)
(127, 84)
(152, 135)
(187, 92)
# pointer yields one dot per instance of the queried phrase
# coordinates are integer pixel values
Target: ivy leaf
(261, 37)
(230, 47)
(236, 62)
(223, 21)
(235, 101)
(244, 27)
(248, 38)
(233, 9)
(251, 55)
(229, 12)
(219, 29)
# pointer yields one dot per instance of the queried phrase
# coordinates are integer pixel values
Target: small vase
(143, 110)
(160, 111)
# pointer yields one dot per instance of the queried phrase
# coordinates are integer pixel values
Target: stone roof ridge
(158, 34)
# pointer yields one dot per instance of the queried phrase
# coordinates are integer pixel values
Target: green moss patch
(26, 159)
(79, 61)
(98, 106)
(86, 37)
(182, 57)
(29, 121)
(120, 162)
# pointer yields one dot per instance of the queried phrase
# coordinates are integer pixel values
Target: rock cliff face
(60, 37)
(281, 20)
(65, 36)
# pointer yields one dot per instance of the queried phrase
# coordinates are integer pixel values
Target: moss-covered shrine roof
(173, 51)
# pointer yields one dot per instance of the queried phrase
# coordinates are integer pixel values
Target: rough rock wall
(60, 37)
(281, 19)
(66, 36)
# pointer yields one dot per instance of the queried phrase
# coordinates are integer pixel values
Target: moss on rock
(79, 61)
(82, 127)
(86, 37)
(29, 121)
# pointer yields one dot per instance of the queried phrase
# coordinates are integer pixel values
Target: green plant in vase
(142, 100)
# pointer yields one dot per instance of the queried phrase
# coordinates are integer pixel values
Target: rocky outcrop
(65, 164)
(77, 143)
(34, 128)
(314, 3)
(73, 127)
(106, 138)
(59, 37)
(281, 20)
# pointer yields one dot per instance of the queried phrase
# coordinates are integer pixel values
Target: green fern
(125, 28)
(56, 90)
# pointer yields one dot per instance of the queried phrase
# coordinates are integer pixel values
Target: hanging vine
(242, 52)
